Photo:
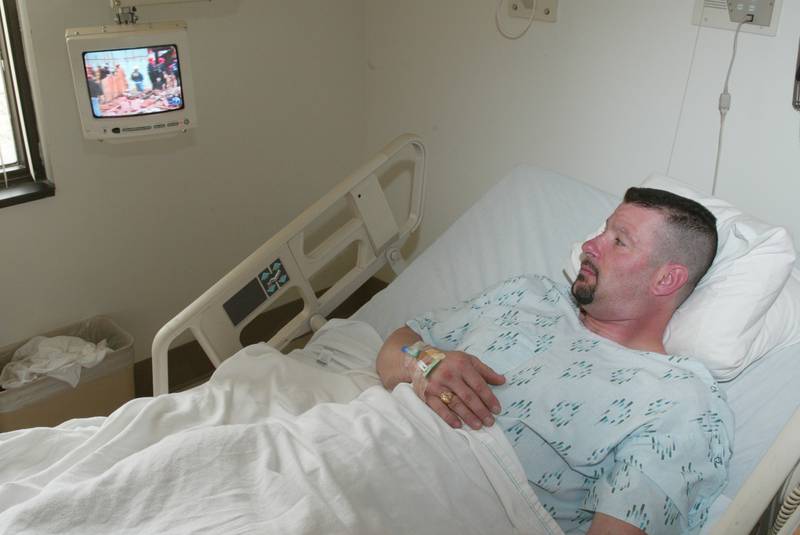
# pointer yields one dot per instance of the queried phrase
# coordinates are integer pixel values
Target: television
(132, 81)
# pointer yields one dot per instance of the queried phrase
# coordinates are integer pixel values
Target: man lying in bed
(614, 434)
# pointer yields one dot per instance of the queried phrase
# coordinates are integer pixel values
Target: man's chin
(582, 292)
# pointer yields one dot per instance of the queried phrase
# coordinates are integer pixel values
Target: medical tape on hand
(417, 368)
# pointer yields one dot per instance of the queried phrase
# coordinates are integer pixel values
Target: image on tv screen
(133, 81)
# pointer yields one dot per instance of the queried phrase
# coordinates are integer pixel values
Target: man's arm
(459, 373)
(391, 359)
(608, 525)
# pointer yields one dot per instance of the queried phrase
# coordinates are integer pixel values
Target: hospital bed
(524, 224)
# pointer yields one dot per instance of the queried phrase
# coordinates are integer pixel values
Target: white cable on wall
(500, 26)
(725, 104)
(685, 89)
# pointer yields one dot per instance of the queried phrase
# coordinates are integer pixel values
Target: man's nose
(591, 247)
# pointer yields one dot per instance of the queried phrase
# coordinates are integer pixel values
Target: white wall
(595, 96)
(137, 231)
(287, 105)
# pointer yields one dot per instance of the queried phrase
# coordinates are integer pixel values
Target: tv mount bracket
(126, 15)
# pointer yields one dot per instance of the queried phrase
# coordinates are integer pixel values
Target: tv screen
(132, 82)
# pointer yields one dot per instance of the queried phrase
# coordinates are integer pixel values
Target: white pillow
(782, 323)
(729, 321)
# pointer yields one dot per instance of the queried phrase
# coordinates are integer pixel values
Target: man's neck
(638, 334)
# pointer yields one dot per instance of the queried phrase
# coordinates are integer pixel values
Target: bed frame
(768, 479)
(218, 316)
(258, 283)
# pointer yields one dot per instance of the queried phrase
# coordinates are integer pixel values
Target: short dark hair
(691, 234)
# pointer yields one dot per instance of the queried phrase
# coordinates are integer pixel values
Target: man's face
(616, 268)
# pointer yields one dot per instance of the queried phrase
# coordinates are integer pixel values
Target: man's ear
(670, 278)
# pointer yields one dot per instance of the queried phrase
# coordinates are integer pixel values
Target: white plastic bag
(60, 357)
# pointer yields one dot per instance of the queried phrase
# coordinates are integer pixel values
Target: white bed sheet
(527, 224)
(258, 449)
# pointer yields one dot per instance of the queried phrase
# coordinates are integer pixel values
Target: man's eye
(619, 242)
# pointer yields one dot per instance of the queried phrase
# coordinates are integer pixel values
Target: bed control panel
(273, 277)
(255, 292)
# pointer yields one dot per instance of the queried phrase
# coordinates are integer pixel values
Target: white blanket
(254, 451)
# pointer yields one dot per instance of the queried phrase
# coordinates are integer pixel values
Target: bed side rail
(762, 484)
(217, 317)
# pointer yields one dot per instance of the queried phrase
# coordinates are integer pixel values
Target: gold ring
(446, 397)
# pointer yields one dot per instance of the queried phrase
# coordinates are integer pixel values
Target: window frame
(28, 181)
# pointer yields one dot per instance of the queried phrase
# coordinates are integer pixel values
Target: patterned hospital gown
(640, 436)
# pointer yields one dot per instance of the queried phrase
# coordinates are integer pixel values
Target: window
(22, 176)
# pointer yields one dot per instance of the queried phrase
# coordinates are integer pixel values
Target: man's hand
(466, 377)
(463, 375)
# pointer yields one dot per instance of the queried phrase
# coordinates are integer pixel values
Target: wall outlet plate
(714, 14)
(759, 10)
(545, 9)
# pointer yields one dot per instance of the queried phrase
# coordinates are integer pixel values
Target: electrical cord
(500, 26)
(686, 88)
(789, 506)
(725, 102)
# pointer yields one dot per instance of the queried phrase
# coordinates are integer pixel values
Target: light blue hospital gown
(640, 436)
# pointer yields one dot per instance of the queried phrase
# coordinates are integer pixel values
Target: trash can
(100, 391)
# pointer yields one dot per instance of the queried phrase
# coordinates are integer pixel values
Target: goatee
(582, 291)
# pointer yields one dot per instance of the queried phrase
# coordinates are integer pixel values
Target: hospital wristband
(436, 357)
(419, 349)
